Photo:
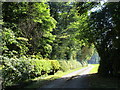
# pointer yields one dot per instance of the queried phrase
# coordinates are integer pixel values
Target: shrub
(16, 70)
(66, 65)
(37, 67)
(46, 66)
(74, 64)
(41, 66)
(55, 65)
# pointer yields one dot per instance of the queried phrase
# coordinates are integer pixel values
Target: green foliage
(33, 29)
(9, 36)
(74, 64)
(10, 44)
(22, 38)
(16, 70)
(37, 56)
(55, 64)
(41, 66)
(31, 25)
(87, 52)
(66, 65)
(64, 44)
(53, 30)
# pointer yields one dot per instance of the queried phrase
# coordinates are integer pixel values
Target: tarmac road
(72, 80)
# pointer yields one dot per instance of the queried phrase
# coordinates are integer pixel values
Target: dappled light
(85, 82)
(60, 45)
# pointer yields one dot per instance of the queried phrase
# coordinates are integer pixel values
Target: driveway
(72, 80)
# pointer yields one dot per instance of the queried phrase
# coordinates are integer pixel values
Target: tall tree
(101, 28)
(66, 44)
(32, 22)
(61, 11)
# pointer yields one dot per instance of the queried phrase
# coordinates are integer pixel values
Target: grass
(38, 82)
(1, 67)
(94, 69)
(60, 73)
(97, 81)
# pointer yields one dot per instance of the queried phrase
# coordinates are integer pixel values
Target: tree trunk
(105, 65)
(109, 62)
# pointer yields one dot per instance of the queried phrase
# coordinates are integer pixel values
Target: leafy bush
(13, 45)
(74, 64)
(41, 66)
(64, 65)
(68, 65)
(55, 65)
(16, 70)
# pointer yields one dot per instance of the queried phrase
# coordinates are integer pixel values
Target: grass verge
(1, 70)
(100, 82)
(1, 67)
(38, 82)
(94, 69)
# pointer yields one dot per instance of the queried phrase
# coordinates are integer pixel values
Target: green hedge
(66, 65)
(55, 65)
(74, 64)
(17, 70)
(41, 66)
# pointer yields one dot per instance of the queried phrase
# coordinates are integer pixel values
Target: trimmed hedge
(74, 64)
(55, 66)
(66, 65)
(41, 67)
(17, 70)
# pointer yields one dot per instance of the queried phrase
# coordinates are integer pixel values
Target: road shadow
(97, 81)
(93, 81)
(89, 81)
(82, 82)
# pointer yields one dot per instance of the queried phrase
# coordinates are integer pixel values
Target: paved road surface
(72, 80)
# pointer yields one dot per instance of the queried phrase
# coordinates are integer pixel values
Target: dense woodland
(37, 34)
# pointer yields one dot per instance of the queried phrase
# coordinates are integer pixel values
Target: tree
(66, 45)
(63, 14)
(32, 22)
(101, 28)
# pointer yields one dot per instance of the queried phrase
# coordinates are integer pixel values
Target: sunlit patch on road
(67, 80)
